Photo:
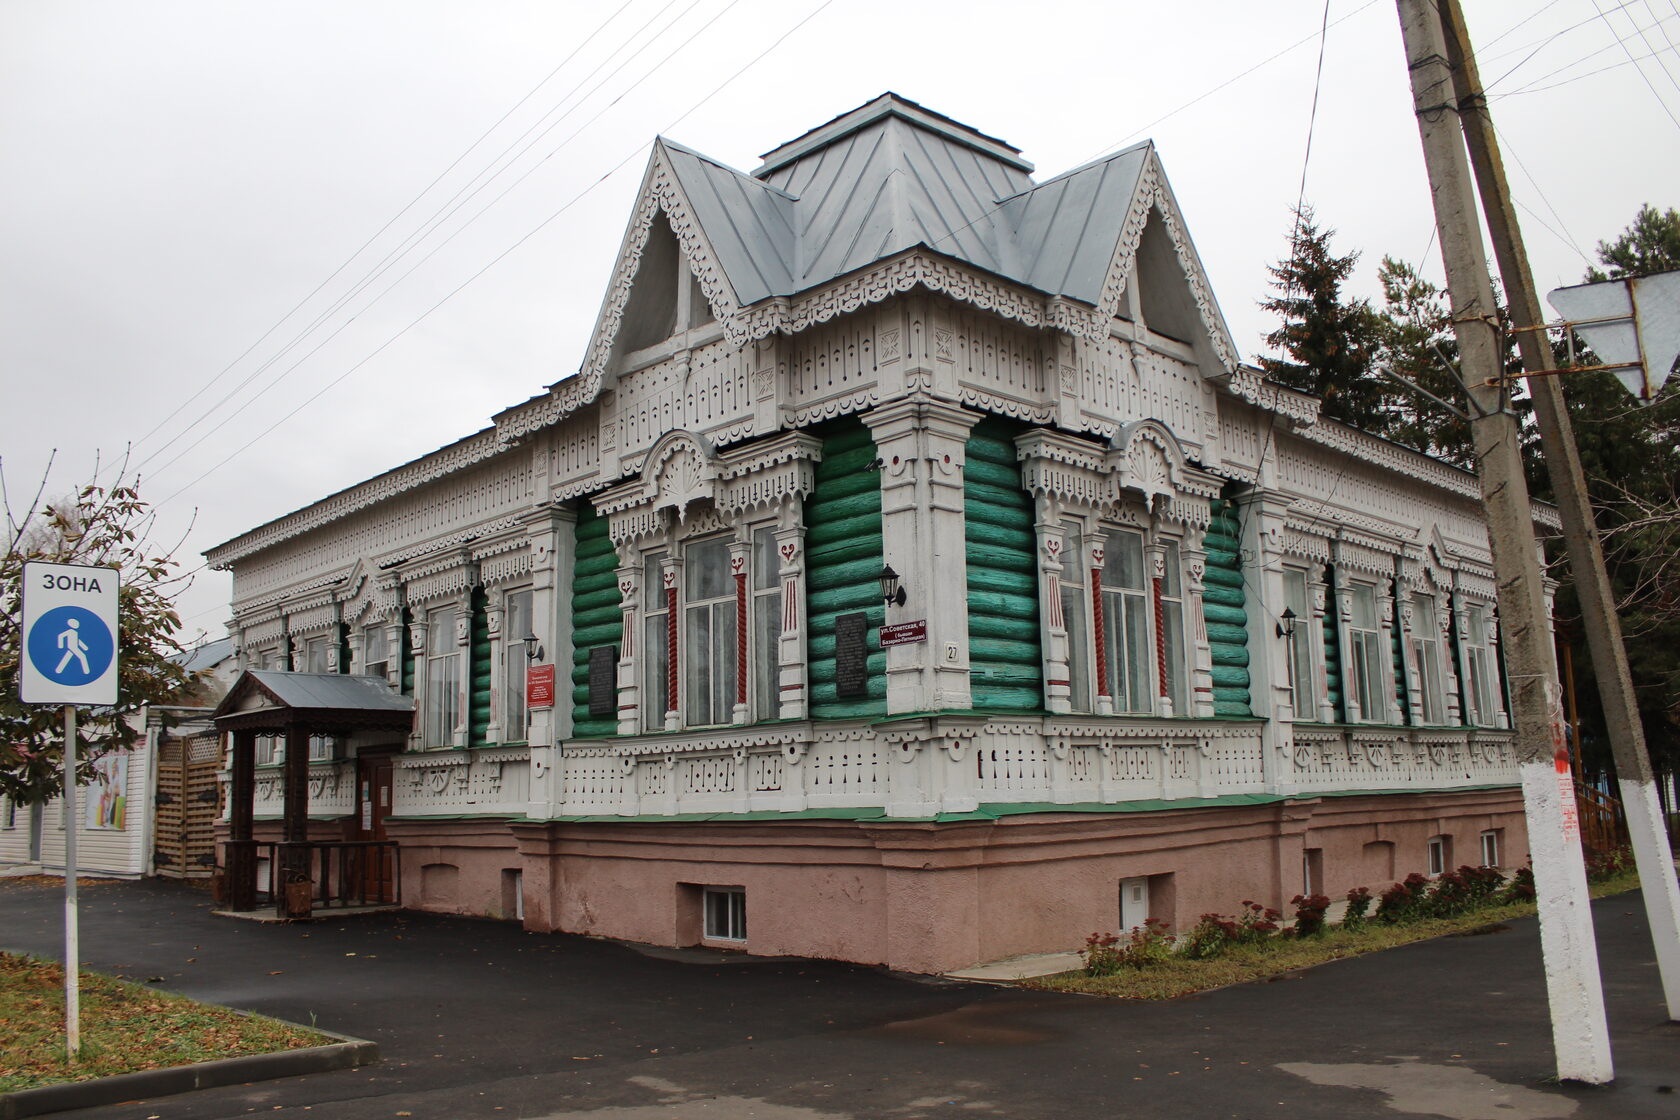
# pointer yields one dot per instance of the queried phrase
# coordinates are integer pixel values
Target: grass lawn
(125, 1027)
(1242, 964)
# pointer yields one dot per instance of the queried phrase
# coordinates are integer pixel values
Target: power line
(381, 230)
(1642, 75)
(504, 253)
(438, 247)
(428, 225)
(1577, 78)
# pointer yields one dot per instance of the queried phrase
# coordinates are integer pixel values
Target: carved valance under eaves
(502, 560)
(1144, 463)
(682, 469)
(261, 632)
(439, 577)
(319, 618)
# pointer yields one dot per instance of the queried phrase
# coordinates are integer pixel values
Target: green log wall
(406, 652)
(479, 669)
(1226, 614)
(597, 614)
(843, 566)
(1005, 665)
(1332, 648)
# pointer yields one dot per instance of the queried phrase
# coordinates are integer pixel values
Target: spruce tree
(1327, 342)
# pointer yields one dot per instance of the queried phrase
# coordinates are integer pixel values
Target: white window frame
(723, 913)
(371, 635)
(1299, 660)
(1490, 848)
(517, 622)
(1370, 663)
(1440, 855)
(1426, 654)
(443, 668)
(316, 652)
(1131, 632)
(719, 608)
(1480, 669)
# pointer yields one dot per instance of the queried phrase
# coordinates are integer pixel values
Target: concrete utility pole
(1580, 1033)
(1635, 780)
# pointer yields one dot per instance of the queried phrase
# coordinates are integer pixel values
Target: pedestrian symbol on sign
(71, 645)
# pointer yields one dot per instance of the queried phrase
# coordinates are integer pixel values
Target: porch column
(294, 818)
(240, 853)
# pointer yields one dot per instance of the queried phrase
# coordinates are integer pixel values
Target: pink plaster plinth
(926, 897)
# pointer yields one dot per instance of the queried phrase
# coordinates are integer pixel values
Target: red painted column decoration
(1160, 641)
(670, 641)
(1097, 622)
(740, 635)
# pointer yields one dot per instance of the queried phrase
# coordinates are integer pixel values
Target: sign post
(69, 658)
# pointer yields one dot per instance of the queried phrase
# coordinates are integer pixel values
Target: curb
(145, 1084)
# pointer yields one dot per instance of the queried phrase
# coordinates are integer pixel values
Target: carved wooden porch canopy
(271, 700)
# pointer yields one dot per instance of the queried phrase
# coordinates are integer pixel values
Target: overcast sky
(176, 178)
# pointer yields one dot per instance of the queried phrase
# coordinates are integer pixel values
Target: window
(269, 750)
(1299, 647)
(1426, 651)
(516, 626)
(1125, 623)
(1440, 854)
(315, 656)
(709, 622)
(726, 913)
(376, 656)
(1076, 606)
(1312, 871)
(1478, 666)
(766, 625)
(1490, 848)
(1112, 643)
(730, 594)
(443, 679)
(1172, 631)
(656, 687)
(1367, 658)
(323, 748)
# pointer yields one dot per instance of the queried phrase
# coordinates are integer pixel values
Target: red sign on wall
(539, 686)
(904, 633)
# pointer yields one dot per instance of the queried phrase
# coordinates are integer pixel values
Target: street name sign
(69, 634)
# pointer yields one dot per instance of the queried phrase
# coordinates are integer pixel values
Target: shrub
(1256, 923)
(1210, 936)
(1604, 866)
(1105, 954)
(1102, 953)
(1403, 901)
(1521, 886)
(1309, 914)
(1447, 897)
(1358, 905)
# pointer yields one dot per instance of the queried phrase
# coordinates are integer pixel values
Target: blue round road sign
(70, 645)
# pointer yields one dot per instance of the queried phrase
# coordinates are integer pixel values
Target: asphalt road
(480, 1019)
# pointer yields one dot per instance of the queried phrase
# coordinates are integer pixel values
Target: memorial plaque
(603, 681)
(851, 655)
(539, 686)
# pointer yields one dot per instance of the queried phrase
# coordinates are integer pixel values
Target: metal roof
(317, 693)
(205, 656)
(890, 176)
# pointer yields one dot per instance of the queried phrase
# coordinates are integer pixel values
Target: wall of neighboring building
(113, 821)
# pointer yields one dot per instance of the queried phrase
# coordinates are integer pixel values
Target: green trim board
(843, 560)
(597, 614)
(1006, 671)
(1333, 648)
(1225, 612)
(406, 653)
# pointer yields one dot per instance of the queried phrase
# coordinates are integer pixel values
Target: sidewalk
(478, 1018)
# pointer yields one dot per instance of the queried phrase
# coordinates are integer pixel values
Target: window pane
(1170, 573)
(1364, 607)
(654, 682)
(517, 624)
(1172, 617)
(1075, 604)
(1378, 678)
(724, 665)
(1113, 648)
(766, 561)
(1073, 562)
(1139, 655)
(765, 654)
(706, 570)
(1123, 561)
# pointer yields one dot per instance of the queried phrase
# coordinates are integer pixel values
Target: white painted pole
(72, 950)
(1580, 1029)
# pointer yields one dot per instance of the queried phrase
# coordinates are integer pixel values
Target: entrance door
(373, 805)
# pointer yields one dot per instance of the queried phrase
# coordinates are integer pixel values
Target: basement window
(1490, 848)
(1439, 855)
(726, 913)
